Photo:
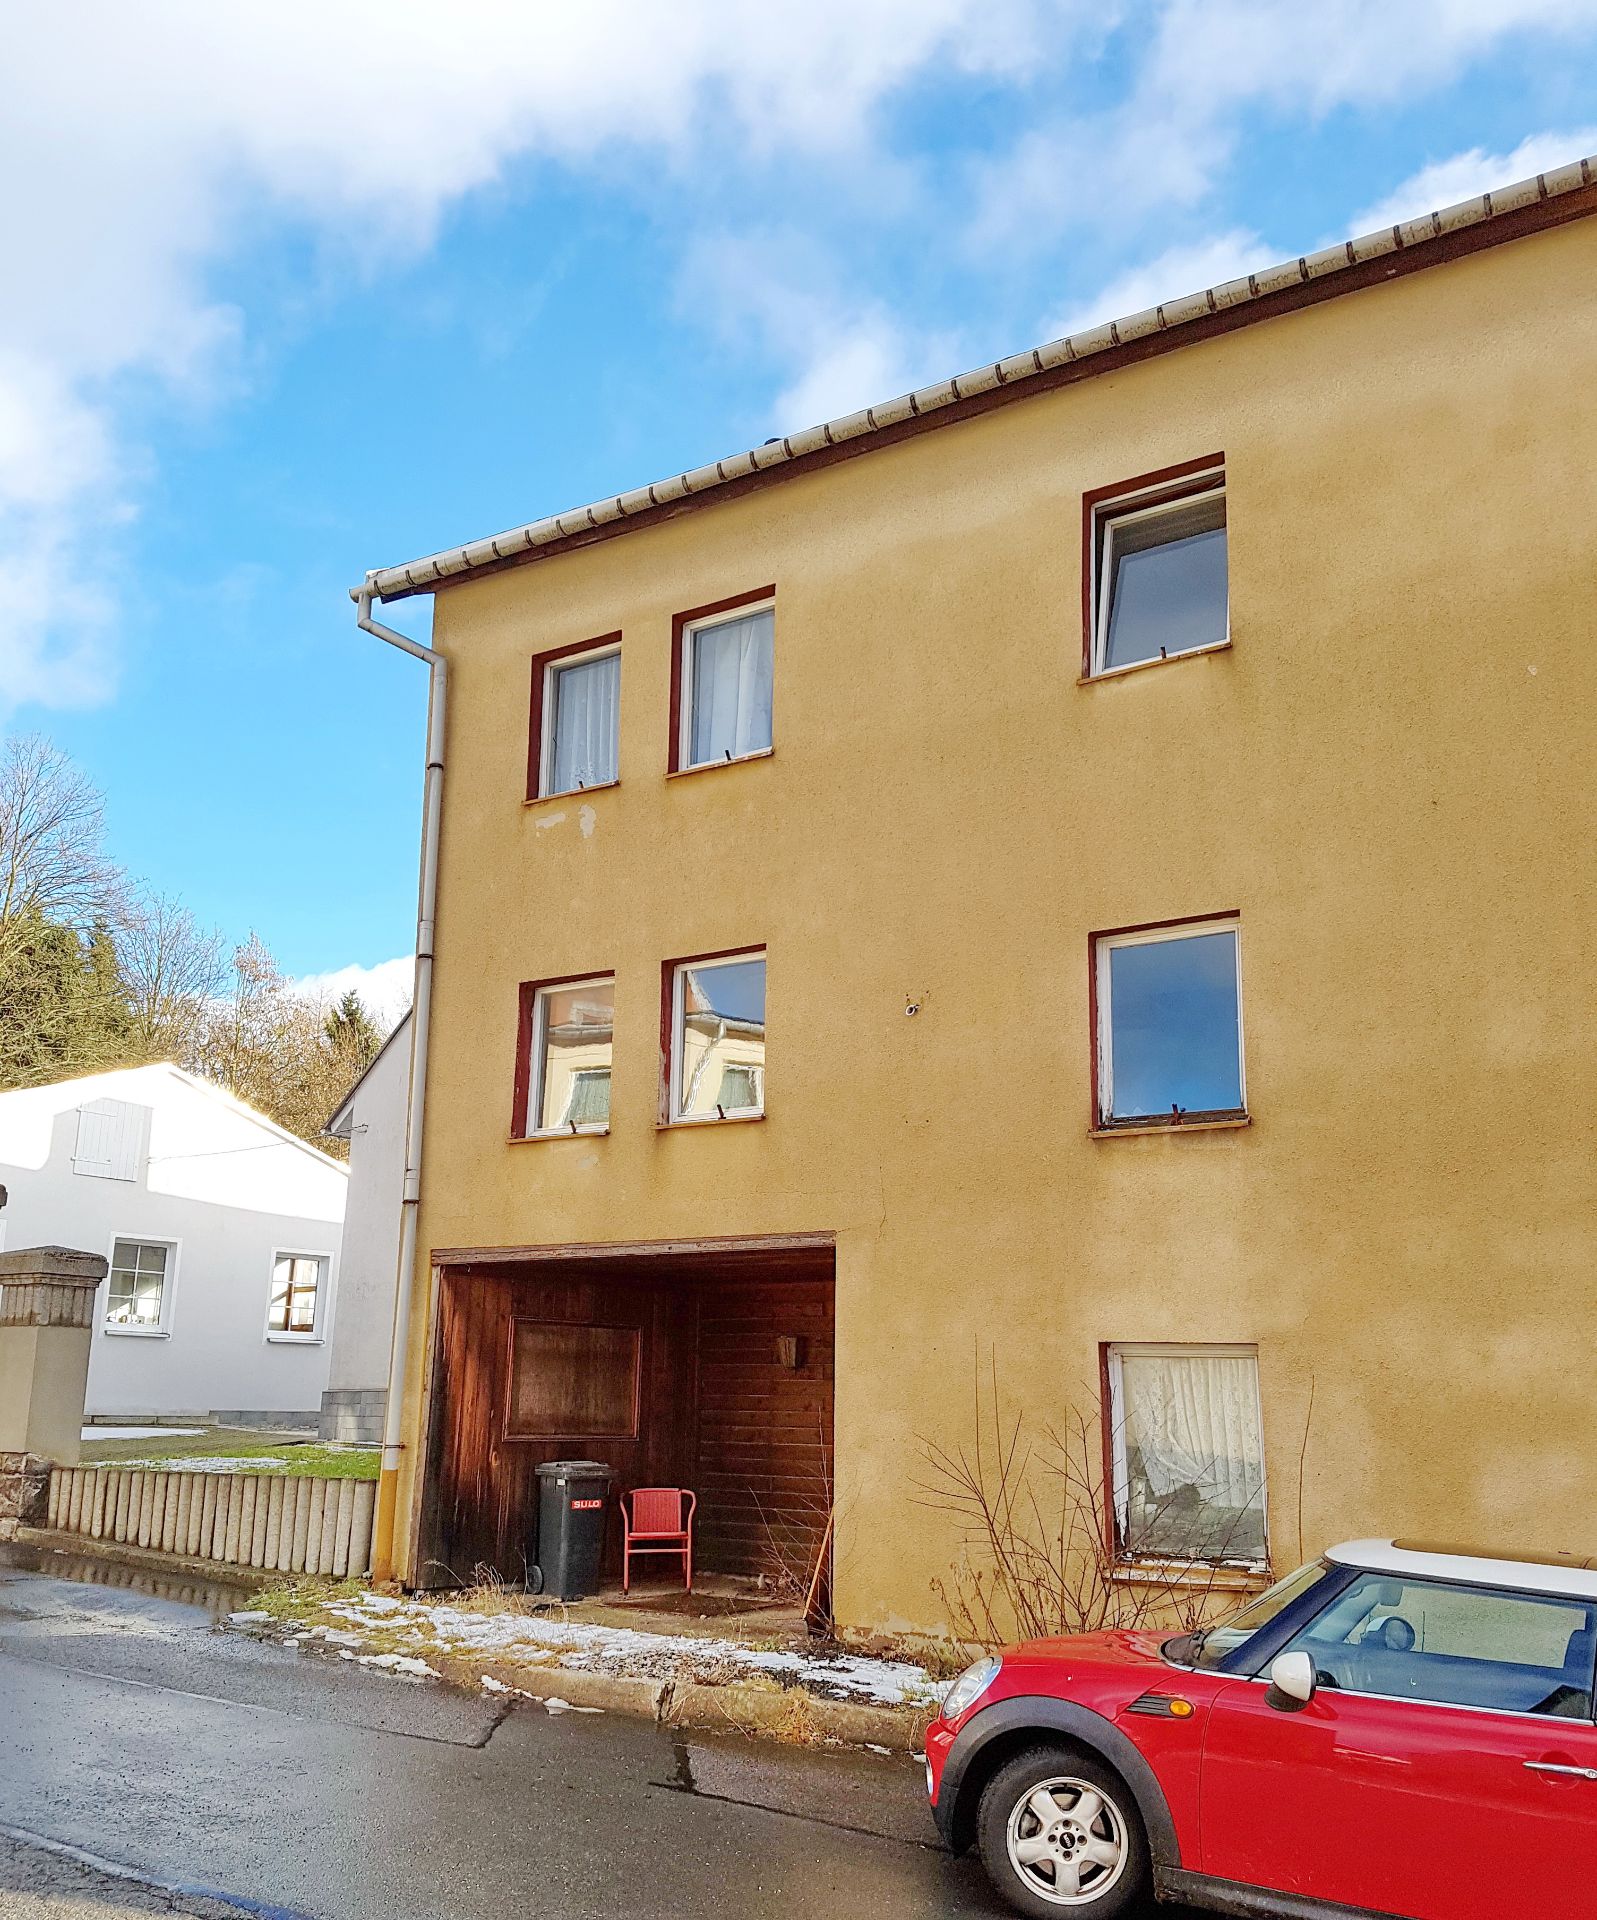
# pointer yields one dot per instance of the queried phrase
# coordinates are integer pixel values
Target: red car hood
(1121, 1648)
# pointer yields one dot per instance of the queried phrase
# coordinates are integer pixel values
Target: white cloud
(145, 145)
(385, 988)
(1446, 182)
(1177, 271)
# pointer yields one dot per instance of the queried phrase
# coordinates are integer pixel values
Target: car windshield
(1209, 1647)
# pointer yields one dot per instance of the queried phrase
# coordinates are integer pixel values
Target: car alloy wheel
(1067, 1842)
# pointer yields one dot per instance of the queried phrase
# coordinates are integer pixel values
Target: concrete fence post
(46, 1323)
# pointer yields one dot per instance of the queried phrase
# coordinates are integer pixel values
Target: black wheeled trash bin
(573, 1507)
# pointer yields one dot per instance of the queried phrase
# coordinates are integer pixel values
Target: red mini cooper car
(1395, 1730)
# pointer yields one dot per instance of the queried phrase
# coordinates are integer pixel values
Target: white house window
(718, 1038)
(137, 1293)
(1169, 1039)
(573, 1030)
(726, 670)
(1188, 1451)
(580, 709)
(113, 1137)
(1160, 576)
(297, 1280)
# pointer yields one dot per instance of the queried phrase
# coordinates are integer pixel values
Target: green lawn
(252, 1452)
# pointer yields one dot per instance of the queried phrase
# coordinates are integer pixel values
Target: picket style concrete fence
(287, 1523)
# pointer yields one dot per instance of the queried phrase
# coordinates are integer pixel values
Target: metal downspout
(383, 1567)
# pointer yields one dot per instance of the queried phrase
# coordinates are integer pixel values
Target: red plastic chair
(657, 1520)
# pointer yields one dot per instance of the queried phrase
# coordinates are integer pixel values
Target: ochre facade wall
(1388, 774)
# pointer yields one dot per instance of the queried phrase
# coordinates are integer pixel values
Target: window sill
(1190, 1573)
(559, 1133)
(713, 766)
(1139, 1129)
(1164, 660)
(570, 793)
(295, 1340)
(706, 1120)
(138, 1333)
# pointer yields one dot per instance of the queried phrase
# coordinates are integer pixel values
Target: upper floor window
(576, 711)
(1186, 1442)
(138, 1296)
(722, 700)
(113, 1138)
(1169, 1024)
(568, 1045)
(297, 1283)
(717, 1066)
(1157, 564)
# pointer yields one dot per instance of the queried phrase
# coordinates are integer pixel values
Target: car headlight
(970, 1686)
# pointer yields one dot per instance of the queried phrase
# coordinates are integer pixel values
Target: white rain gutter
(416, 1108)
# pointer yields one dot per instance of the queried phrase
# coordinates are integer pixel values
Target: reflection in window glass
(720, 1038)
(138, 1284)
(1163, 581)
(296, 1283)
(1189, 1455)
(1172, 1028)
(574, 1028)
(585, 704)
(1461, 1646)
(729, 708)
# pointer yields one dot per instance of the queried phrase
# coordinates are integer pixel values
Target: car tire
(1060, 1834)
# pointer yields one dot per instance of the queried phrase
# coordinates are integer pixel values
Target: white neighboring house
(222, 1231)
(372, 1120)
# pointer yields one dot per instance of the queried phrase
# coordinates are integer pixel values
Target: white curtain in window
(731, 689)
(586, 719)
(1194, 1418)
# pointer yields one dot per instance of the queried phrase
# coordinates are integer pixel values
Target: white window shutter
(113, 1138)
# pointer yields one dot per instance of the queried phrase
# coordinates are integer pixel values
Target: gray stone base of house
(353, 1416)
(24, 1491)
(271, 1419)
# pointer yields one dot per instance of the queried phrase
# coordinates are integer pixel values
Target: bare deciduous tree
(52, 832)
(172, 969)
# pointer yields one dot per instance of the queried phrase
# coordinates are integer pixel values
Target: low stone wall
(353, 1416)
(282, 1522)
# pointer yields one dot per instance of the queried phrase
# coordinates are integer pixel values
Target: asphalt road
(148, 1762)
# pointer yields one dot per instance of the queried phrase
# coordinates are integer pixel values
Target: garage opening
(706, 1365)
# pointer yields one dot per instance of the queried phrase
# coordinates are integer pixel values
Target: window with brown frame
(1156, 568)
(574, 727)
(563, 1056)
(1167, 1020)
(722, 668)
(713, 1021)
(572, 1382)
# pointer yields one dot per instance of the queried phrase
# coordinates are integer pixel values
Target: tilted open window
(1158, 565)
(1168, 1044)
(567, 1041)
(717, 1037)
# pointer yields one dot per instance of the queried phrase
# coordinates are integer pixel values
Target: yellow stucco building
(1120, 826)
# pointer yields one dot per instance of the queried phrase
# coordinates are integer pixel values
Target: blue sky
(301, 290)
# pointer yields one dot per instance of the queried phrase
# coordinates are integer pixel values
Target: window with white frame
(725, 695)
(1159, 572)
(1186, 1440)
(138, 1293)
(718, 1038)
(298, 1280)
(580, 713)
(1169, 1039)
(570, 1051)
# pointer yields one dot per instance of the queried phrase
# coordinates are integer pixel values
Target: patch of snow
(246, 1619)
(556, 1705)
(839, 1676)
(211, 1463)
(871, 1747)
(396, 1663)
(140, 1433)
(491, 1685)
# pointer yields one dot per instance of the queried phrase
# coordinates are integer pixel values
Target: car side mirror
(1293, 1680)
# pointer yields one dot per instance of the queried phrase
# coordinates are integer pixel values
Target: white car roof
(1562, 1573)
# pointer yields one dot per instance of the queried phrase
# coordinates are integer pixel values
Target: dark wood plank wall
(718, 1412)
(765, 1431)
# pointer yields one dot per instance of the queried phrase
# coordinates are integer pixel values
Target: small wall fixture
(792, 1350)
